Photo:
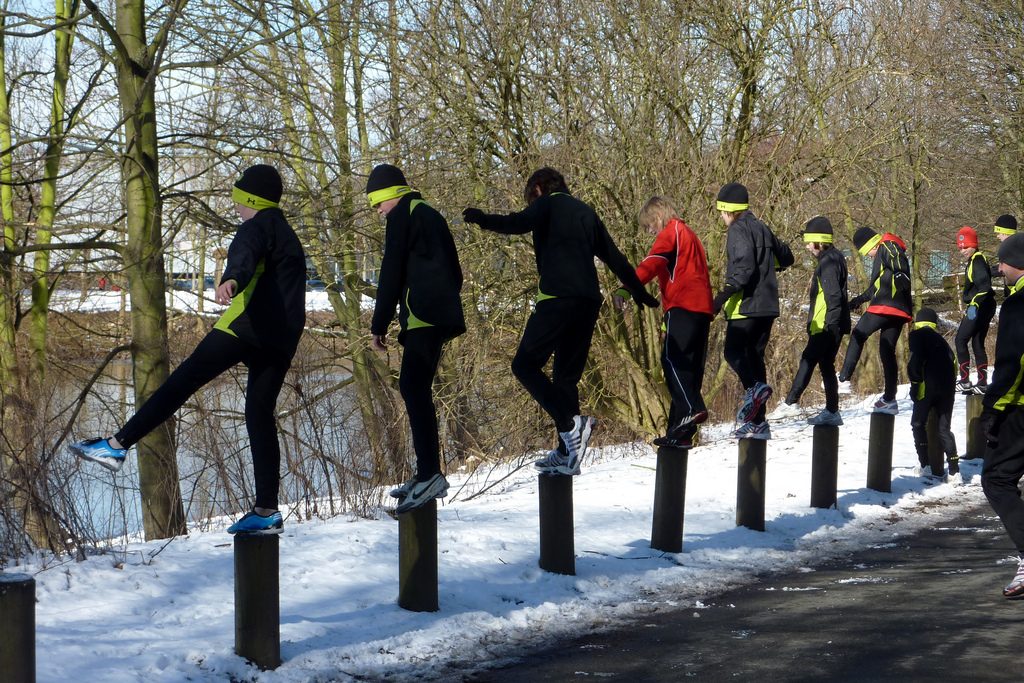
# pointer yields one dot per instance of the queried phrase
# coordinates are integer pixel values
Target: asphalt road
(925, 608)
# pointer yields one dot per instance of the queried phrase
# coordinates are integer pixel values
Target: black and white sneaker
(1015, 588)
(576, 440)
(423, 491)
(403, 490)
(678, 437)
(556, 463)
(964, 386)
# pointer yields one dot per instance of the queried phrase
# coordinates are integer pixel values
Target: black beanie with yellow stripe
(385, 182)
(259, 187)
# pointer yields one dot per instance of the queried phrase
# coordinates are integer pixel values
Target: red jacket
(678, 260)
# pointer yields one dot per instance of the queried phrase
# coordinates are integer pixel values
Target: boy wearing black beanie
(264, 286)
(828, 319)
(567, 236)
(932, 372)
(1002, 415)
(750, 300)
(888, 311)
(421, 276)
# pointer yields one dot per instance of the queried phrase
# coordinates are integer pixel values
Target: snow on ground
(163, 611)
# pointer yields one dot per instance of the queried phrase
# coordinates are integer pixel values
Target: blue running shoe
(252, 523)
(100, 452)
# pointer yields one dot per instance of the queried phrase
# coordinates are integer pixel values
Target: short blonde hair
(657, 212)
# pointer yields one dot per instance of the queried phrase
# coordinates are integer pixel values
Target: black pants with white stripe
(682, 359)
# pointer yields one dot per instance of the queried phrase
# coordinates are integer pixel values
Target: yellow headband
(378, 197)
(870, 244)
(823, 237)
(732, 208)
(245, 199)
(1005, 231)
(924, 323)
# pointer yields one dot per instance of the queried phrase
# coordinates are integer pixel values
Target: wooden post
(417, 558)
(880, 452)
(975, 439)
(669, 500)
(824, 466)
(557, 547)
(17, 628)
(936, 456)
(257, 599)
(750, 483)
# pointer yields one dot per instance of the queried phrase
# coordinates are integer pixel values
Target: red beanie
(967, 238)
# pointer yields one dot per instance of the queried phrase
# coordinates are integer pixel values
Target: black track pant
(820, 353)
(562, 327)
(420, 358)
(943, 405)
(216, 353)
(889, 328)
(971, 336)
(682, 359)
(1003, 469)
(745, 342)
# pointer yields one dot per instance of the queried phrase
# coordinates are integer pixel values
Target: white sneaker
(752, 402)
(423, 491)
(555, 463)
(886, 407)
(826, 418)
(785, 411)
(1016, 587)
(844, 386)
(576, 440)
(753, 430)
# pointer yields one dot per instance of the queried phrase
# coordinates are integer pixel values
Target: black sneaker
(678, 437)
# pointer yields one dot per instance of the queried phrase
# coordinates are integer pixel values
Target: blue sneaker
(100, 452)
(252, 523)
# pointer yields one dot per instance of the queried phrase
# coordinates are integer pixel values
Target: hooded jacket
(567, 235)
(977, 280)
(420, 272)
(268, 265)
(889, 290)
(829, 304)
(754, 253)
(931, 367)
(678, 260)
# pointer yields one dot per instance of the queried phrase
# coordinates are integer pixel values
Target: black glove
(720, 300)
(472, 215)
(856, 301)
(988, 425)
(645, 299)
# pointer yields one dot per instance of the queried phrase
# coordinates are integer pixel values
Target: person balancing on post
(421, 276)
(981, 307)
(678, 260)
(828, 319)
(264, 283)
(567, 235)
(750, 300)
(1002, 414)
(932, 376)
(888, 311)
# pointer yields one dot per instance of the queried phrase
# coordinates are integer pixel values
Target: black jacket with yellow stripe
(268, 265)
(830, 305)
(420, 272)
(754, 254)
(931, 367)
(1006, 388)
(567, 235)
(889, 291)
(977, 280)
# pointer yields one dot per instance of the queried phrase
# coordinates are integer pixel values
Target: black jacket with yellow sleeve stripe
(1007, 387)
(420, 272)
(268, 265)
